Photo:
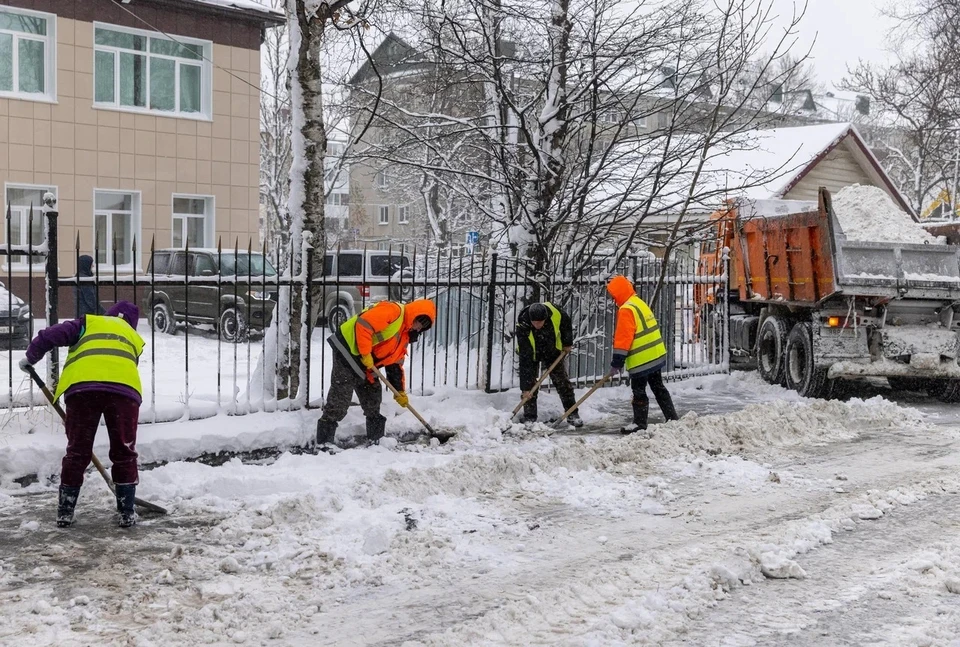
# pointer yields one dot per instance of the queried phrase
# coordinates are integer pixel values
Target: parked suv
(353, 279)
(232, 312)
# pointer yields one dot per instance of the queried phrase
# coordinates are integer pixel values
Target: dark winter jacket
(69, 333)
(546, 342)
(86, 294)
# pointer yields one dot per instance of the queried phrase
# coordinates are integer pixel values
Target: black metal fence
(218, 322)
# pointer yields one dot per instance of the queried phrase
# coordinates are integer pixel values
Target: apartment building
(140, 116)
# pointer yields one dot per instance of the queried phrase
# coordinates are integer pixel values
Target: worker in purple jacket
(100, 378)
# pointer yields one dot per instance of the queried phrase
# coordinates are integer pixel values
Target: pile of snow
(866, 213)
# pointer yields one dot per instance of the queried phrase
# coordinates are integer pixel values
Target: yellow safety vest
(648, 349)
(555, 320)
(349, 330)
(107, 351)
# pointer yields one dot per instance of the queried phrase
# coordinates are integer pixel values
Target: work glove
(567, 349)
(371, 377)
(524, 395)
(367, 361)
(616, 366)
(402, 399)
(25, 365)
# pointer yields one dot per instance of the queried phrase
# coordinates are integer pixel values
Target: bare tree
(574, 123)
(918, 96)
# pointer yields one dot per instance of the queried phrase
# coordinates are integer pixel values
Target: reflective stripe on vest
(648, 349)
(106, 352)
(555, 320)
(349, 330)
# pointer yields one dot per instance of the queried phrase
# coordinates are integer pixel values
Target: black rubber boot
(326, 431)
(666, 406)
(529, 412)
(641, 409)
(125, 505)
(376, 426)
(66, 505)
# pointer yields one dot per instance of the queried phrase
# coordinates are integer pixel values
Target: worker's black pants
(344, 381)
(641, 403)
(561, 381)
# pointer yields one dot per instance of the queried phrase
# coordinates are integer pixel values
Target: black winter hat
(538, 312)
(424, 321)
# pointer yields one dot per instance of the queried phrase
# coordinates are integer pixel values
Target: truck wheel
(771, 349)
(803, 375)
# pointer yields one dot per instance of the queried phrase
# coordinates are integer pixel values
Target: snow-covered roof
(785, 155)
(246, 6)
(779, 153)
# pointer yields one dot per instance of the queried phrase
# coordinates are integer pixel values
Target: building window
(611, 117)
(384, 215)
(116, 224)
(24, 227)
(192, 221)
(142, 71)
(338, 199)
(381, 180)
(27, 54)
(403, 215)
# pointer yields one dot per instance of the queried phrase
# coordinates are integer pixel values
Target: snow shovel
(604, 380)
(96, 461)
(430, 430)
(537, 384)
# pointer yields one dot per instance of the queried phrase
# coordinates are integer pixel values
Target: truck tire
(771, 349)
(802, 374)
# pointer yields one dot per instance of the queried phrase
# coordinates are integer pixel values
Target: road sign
(473, 238)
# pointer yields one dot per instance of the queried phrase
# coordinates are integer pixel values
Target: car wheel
(338, 315)
(163, 320)
(403, 290)
(233, 326)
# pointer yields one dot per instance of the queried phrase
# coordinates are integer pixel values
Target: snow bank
(866, 213)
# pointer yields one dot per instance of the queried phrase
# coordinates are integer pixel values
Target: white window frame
(135, 225)
(383, 209)
(640, 122)
(49, 94)
(206, 74)
(21, 212)
(209, 218)
(403, 214)
(381, 180)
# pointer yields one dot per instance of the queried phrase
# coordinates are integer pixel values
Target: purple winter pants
(83, 417)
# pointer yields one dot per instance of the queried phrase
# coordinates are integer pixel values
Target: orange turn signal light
(833, 322)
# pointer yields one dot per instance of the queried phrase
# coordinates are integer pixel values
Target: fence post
(308, 307)
(53, 284)
(725, 344)
(491, 312)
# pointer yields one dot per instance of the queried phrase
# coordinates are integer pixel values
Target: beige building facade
(141, 117)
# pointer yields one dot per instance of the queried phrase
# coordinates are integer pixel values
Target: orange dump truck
(809, 306)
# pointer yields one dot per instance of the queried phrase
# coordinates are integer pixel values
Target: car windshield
(245, 265)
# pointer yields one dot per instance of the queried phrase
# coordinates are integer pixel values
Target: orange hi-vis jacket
(367, 328)
(637, 336)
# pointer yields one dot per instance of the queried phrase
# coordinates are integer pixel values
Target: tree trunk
(306, 202)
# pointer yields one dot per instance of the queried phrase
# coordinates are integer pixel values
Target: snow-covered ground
(759, 518)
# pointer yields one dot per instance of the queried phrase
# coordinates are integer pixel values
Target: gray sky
(845, 30)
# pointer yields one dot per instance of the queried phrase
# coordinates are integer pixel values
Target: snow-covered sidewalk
(506, 536)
